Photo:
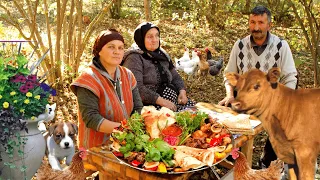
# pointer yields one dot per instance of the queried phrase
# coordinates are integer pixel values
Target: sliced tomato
(117, 154)
(135, 163)
(152, 169)
(124, 122)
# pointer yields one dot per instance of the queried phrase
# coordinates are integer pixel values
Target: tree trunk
(147, 9)
(311, 32)
(115, 10)
(247, 7)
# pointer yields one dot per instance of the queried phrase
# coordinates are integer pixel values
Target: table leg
(227, 164)
(247, 150)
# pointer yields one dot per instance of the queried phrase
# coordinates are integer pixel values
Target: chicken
(185, 56)
(75, 171)
(189, 67)
(86, 20)
(215, 66)
(242, 170)
(203, 68)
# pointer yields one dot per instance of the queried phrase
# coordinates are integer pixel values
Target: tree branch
(49, 65)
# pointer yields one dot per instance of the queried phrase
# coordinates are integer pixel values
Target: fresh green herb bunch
(10, 139)
(189, 122)
(21, 90)
(135, 123)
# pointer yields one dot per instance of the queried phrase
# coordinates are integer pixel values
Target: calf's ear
(232, 78)
(273, 76)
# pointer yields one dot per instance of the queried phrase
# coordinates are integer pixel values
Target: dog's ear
(75, 127)
(52, 128)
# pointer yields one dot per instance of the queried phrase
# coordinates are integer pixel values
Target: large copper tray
(123, 161)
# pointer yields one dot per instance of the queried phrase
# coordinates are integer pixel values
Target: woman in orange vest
(107, 93)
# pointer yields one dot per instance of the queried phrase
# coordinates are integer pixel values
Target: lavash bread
(186, 161)
(238, 124)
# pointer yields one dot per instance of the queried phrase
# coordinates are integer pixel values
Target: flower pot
(34, 150)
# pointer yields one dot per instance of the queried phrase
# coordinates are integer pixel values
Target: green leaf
(21, 60)
(298, 62)
(23, 168)
(20, 153)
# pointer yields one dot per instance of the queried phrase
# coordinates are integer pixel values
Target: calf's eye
(256, 87)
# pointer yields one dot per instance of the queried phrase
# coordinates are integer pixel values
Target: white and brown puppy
(61, 140)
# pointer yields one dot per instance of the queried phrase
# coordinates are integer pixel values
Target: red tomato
(152, 169)
(136, 163)
(172, 130)
(117, 154)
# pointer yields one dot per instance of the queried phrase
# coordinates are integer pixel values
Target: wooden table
(246, 143)
(102, 160)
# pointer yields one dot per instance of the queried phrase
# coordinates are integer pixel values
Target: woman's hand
(166, 103)
(182, 98)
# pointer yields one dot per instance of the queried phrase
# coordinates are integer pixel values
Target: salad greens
(136, 124)
(189, 122)
(156, 150)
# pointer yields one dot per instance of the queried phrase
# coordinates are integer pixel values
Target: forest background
(64, 30)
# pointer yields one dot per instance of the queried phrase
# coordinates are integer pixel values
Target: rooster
(75, 171)
(215, 66)
(242, 170)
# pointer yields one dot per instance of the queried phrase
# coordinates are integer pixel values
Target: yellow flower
(33, 118)
(0, 97)
(13, 93)
(26, 101)
(5, 104)
(37, 97)
(29, 94)
(22, 110)
(15, 101)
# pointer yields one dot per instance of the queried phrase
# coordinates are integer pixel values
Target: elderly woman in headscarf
(158, 81)
(107, 93)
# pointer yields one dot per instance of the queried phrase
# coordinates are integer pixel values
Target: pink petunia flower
(15, 79)
(29, 85)
(32, 78)
(22, 79)
(23, 89)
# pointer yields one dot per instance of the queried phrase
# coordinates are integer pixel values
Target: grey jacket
(148, 76)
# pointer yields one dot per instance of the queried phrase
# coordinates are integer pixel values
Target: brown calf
(290, 117)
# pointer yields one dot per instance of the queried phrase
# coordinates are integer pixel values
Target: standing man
(261, 50)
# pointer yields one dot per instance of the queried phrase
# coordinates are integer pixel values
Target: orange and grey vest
(110, 106)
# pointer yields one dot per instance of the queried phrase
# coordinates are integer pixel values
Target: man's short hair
(260, 10)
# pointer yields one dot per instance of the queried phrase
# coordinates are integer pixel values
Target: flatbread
(215, 107)
(238, 124)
